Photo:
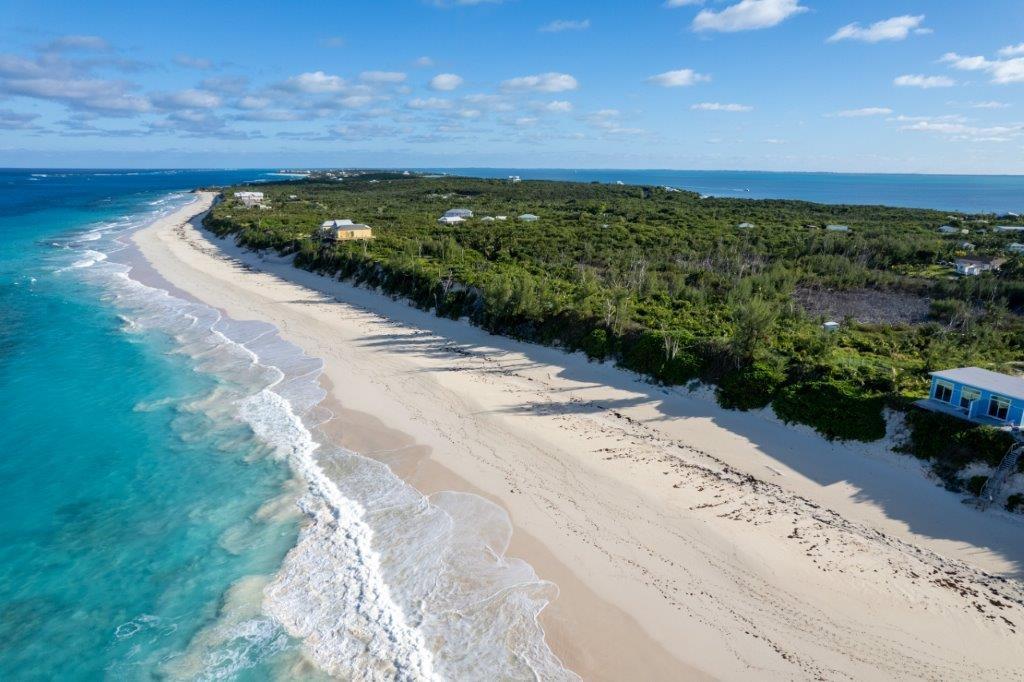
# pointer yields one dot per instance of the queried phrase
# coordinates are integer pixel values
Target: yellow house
(344, 230)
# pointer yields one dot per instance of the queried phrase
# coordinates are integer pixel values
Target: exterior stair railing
(994, 485)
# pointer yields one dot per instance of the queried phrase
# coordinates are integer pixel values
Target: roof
(1010, 228)
(982, 260)
(976, 377)
(528, 216)
(837, 227)
(336, 223)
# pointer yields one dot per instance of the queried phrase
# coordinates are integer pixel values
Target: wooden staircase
(994, 485)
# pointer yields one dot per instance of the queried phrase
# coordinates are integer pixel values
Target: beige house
(344, 230)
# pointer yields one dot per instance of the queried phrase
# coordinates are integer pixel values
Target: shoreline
(634, 485)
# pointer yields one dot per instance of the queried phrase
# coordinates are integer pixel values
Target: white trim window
(943, 391)
(968, 396)
(999, 407)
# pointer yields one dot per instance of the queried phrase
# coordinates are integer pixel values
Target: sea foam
(384, 582)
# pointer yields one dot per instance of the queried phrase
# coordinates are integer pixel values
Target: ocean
(172, 509)
(963, 193)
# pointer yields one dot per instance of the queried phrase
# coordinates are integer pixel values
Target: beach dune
(687, 542)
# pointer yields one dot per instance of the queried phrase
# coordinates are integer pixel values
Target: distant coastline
(960, 193)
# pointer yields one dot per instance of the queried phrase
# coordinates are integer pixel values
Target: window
(968, 396)
(944, 391)
(999, 408)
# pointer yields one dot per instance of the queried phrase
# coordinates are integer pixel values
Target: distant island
(828, 313)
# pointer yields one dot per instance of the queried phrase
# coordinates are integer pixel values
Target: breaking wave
(384, 583)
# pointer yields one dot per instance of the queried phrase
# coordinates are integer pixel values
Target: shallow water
(160, 460)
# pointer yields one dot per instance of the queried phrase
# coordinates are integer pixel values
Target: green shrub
(749, 388)
(595, 345)
(954, 443)
(975, 484)
(835, 409)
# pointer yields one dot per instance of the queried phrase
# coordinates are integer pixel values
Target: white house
(501, 217)
(830, 326)
(514, 179)
(1009, 228)
(487, 219)
(975, 265)
(249, 199)
(451, 220)
(949, 229)
(745, 226)
(458, 213)
(837, 228)
(1015, 247)
(343, 229)
(529, 218)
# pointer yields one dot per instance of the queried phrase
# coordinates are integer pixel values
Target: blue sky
(833, 85)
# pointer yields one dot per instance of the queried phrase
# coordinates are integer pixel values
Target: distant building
(487, 219)
(501, 217)
(529, 218)
(1015, 247)
(458, 213)
(975, 265)
(1009, 228)
(967, 246)
(249, 199)
(745, 226)
(977, 395)
(451, 220)
(344, 230)
(949, 229)
(830, 326)
(837, 228)
(514, 179)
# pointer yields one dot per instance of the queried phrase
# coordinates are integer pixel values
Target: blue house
(977, 395)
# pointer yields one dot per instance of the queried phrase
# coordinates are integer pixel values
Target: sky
(927, 86)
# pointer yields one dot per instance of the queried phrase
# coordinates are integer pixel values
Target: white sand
(688, 541)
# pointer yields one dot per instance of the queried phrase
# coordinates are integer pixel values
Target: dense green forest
(669, 284)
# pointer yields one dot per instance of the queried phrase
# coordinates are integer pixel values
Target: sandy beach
(687, 541)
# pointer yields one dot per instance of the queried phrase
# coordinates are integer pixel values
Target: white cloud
(445, 82)
(896, 28)
(315, 82)
(718, 106)
(109, 97)
(924, 82)
(557, 106)
(865, 111)
(251, 102)
(1012, 50)
(545, 82)
(189, 99)
(382, 77)
(526, 121)
(333, 42)
(748, 15)
(609, 121)
(958, 130)
(559, 25)
(672, 4)
(991, 104)
(78, 42)
(1003, 71)
(193, 62)
(678, 78)
(423, 62)
(431, 103)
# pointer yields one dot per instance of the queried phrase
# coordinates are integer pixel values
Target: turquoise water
(128, 502)
(158, 458)
(969, 193)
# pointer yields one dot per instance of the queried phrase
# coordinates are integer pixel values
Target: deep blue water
(967, 193)
(127, 502)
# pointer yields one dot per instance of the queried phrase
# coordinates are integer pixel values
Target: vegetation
(665, 283)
